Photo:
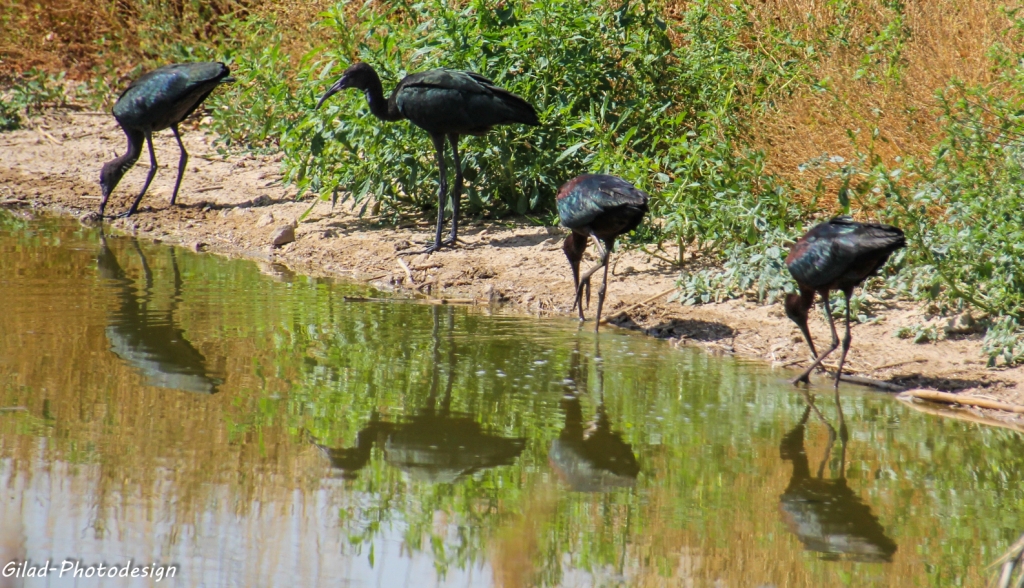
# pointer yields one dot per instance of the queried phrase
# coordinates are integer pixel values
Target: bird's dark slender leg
(574, 263)
(442, 193)
(182, 161)
(805, 377)
(585, 278)
(456, 191)
(578, 304)
(573, 247)
(604, 283)
(807, 337)
(847, 339)
(149, 178)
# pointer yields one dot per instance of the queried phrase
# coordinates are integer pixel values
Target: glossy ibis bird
(158, 100)
(604, 207)
(444, 103)
(835, 255)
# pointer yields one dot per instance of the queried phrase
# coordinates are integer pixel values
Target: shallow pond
(255, 428)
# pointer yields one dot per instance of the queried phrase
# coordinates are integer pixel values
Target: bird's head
(110, 175)
(359, 75)
(796, 309)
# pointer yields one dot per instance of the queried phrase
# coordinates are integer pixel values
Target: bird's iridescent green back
(166, 95)
(584, 198)
(833, 249)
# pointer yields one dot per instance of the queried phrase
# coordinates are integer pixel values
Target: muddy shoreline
(233, 206)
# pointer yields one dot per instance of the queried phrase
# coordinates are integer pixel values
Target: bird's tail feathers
(883, 237)
(519, 110)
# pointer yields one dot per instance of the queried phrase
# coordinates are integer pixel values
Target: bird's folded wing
(598, 194)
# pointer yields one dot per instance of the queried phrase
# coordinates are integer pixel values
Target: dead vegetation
(881, 70)
(79, 36)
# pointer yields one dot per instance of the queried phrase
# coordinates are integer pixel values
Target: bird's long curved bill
(337, 87)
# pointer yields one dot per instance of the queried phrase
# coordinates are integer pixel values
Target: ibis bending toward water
(158, 100)
(835, 255)
(444, 103)
(605, 207)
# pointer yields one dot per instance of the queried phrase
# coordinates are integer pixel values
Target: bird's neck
(135, 141)
(573, 428)
(380, 106)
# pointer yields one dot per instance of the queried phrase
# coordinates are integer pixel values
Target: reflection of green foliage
(704, 429)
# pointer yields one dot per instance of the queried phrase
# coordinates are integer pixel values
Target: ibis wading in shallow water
(444, 103)
(158, 100)
(835, 255)
(604, 207)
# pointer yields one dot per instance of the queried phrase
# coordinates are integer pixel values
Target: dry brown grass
(947, 40)
(77, 35)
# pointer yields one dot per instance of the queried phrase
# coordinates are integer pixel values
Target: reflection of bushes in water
(96, 414)
(300, 357)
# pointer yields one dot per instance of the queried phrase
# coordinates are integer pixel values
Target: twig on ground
(898, 364)
(51, 138)
(427, 301)
(888, 386)
(637, 305)
(846, 368)
(408, 272)
(947, 398)
(1013, 558)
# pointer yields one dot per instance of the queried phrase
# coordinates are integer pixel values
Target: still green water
(256, 428)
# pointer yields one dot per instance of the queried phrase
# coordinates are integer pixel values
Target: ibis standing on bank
(603, 207)
(444, 103)
(835, 255)
(158, 100)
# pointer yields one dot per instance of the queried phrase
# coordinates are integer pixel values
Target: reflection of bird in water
(826, 515)
(594, 459)
(349, 460)
(434, 445)
(150, 340)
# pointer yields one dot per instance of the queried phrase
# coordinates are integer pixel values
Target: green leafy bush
(599, 79)
(29, 92)
(254, 112)
(613, 96)
(972, 252)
